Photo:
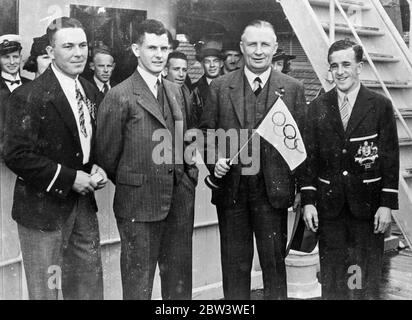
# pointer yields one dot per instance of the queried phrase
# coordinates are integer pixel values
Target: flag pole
(230, 162)
(215, 183)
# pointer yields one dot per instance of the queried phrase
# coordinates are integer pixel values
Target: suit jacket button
(345, 173)
(60, 191)
(78, 154)
(170, 170)
(344, 151)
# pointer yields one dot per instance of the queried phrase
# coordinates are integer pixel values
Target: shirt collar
(352, 96)
(8, 76)
(101, 84)
(209, 80)
(250, 76)
(63, 79)
(150, 79)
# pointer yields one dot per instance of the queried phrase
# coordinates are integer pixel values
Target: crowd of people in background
(65, 137)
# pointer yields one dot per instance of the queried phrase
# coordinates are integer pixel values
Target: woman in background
(39, 60)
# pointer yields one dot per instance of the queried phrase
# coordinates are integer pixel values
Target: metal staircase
(387, 69)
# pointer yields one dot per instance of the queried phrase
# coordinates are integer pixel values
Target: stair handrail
(385, 89)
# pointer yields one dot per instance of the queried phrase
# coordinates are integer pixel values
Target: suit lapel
(336, 119)
(145, 97)
(4, 86)
(360, 110)
(275, 88)
(57, 97)
(237, 88)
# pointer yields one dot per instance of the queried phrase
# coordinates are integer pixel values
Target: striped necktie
(257, 88)
(80, 104)
(344, 112)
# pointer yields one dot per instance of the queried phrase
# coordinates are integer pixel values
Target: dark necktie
(105, 88)
(80, 104)
(159, 85)
(257, 88)
(12, 81)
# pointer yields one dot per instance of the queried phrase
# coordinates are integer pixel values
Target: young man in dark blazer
(252, 203)
(350, 181)
(10, 59)
(49, 145)
(10, 79)
(139, 121)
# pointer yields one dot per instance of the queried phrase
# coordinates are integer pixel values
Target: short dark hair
(148, 26)
(176, 55)
(102, 49)
(346, 44)
(61, 23)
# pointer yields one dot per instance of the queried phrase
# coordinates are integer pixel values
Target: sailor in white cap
(10, 59)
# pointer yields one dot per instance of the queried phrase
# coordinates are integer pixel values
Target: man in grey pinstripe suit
(154, 200)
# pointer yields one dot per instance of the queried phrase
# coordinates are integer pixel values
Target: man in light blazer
(252, 203)
(350, 180)
(49, 145)
(154, 197)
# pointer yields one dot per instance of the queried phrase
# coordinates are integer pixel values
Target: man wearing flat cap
(231, 56)
(212, 61)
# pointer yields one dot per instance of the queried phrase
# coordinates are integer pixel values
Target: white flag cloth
(280, 130)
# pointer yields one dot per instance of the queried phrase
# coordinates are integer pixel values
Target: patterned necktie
(159, 88)
(80, 104)
(344, 112)
(257, 88)
(105, 88)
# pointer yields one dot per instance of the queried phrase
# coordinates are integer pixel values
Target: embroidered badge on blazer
(367, 154)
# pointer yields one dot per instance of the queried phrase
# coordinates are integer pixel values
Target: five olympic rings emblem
(288, 132)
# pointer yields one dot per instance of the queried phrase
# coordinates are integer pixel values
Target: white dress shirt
(352, 96)
(264, 77)
(150, 80)
(68, 86)
(8, 76)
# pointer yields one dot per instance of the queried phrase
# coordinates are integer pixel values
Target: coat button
(344, 151)
(60, 191)
(170, 170)
(345, 173)
(78, 154)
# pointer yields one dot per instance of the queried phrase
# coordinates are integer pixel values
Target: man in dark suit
(350, 181)
(10, 79)
(10, 59)
(212, 62)
(252, 202)
(154, 196)
(102, 65)
(49, 145)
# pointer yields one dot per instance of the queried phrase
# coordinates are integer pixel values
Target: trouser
(351, 258)
(167, 242)
(253, 214)
(68, 259)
